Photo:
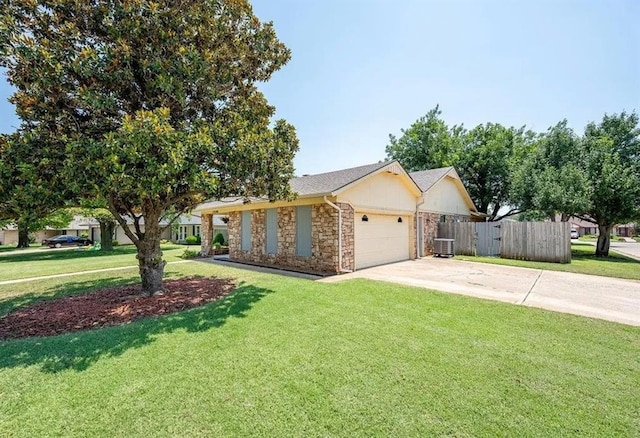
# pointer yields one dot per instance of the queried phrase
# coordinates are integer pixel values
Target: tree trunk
(604, 240)
(23, 234)
(106, 235)
(150, 257)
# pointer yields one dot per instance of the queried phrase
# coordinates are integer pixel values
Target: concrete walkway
(587, 295)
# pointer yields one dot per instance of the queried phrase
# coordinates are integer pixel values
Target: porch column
(206, 234)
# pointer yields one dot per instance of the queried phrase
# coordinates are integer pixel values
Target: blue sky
(362, 69)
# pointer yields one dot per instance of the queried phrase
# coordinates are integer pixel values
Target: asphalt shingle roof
(331, 181)
(427, 178)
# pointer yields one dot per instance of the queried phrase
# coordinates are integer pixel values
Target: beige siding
(446, 198)
(384, 191)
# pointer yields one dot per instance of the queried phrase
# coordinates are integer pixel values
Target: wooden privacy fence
(536, 241)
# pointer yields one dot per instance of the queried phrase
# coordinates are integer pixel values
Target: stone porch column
(206, 234)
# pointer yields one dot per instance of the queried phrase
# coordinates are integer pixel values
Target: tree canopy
(31, 186)
(612, 164)
(155, 104)
(482, 156)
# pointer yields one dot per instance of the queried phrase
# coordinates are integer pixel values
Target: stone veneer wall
(348, 237)
(324, 240)
(430, 228)
(206, 233)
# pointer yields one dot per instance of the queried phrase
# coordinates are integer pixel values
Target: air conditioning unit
(443, 247)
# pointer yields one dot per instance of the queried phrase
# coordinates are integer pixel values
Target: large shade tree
(483, 156)
(32, 190)
(611, 157)
(551, 179)
(157, 103)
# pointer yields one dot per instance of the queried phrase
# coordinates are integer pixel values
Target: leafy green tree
(96, 210)
(612, 161)
(485, 166)
(482, 156)
(31, 188)
(427, 144)
(551, 178)
(156, 103)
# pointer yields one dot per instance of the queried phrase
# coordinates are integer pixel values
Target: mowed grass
(291, 357)
(19, 265)
(8, 248)
(583, 261)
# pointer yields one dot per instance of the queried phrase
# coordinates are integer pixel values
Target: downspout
(340, 268)
(419, 231)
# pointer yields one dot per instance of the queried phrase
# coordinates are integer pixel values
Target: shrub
(219, 239)
(192, 240)
(189, 254)
(217, 245)
(115, 242)
(84, 235)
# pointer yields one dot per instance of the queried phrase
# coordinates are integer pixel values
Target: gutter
(340, 268)
(419, 231)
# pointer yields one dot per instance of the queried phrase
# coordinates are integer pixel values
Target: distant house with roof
(186, 225)
(77, 227)
(344, 220)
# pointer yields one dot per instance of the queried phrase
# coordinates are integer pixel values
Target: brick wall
(324, 240)
(348, 237)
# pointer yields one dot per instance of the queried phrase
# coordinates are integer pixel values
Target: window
(271, 220)
(196, 230)
(182, 233)
(246, 230)
(443, 218)
(303, 231)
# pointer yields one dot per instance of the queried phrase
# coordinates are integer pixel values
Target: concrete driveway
(587, 295)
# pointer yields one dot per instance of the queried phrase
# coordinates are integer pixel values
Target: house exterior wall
(445, 198)
(324, 240)
(430, 223)
(123, 239)
(384, 191)
(11, 236)
(348, 236)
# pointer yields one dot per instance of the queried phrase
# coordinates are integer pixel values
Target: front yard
(17, 265)
(290, 357)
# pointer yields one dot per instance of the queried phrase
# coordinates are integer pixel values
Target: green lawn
(292, 357)
(583, 261)
(49, 262)
(7, 248)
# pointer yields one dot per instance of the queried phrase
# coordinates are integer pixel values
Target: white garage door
(381, 239)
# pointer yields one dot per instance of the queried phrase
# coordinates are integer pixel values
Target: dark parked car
(66, 240)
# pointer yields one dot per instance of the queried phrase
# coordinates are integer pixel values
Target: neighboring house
(189, 225)
(9, 236)
(342, 221)
(185, 226)
(625, 230)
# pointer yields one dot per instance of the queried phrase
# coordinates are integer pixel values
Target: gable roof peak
(330, 182)
(425, 179)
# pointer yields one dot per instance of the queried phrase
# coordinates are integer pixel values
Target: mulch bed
(110, 306)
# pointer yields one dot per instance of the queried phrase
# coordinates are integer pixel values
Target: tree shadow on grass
(78, 351)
